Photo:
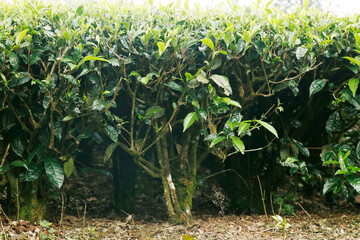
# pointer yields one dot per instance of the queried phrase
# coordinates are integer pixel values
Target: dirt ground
(89, 215)
(302, 226)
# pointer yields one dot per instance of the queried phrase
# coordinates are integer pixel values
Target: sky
(340, 7)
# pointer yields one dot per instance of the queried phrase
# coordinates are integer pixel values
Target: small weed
(47, 232)
(282, 224)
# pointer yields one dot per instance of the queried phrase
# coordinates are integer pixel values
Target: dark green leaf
(302, 148)
(19, 163)
(33, 173)
(13, 59)
(32, 155)
(35, 57)
(112, 132)
(316, 86)
(175, 86)
(18, 145)
(354, 182)
(358, 150)
(155, 112)
(333, 123)
(54, 171)
(3, 169)
(71, 79)
(331, 185)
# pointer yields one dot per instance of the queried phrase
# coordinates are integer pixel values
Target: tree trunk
(178, 192)
(176, 214)
(124, 172)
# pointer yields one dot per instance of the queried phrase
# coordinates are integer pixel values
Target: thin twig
(304, 210)
(228, 170)
(262, 197)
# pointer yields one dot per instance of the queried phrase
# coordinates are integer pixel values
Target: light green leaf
(67, 118)
(343, 160)
(232, 124)
(268, 127)
(300, 52)
(201, 78)
(316, 86)
(208, 43)
(223, 82)
(109, 151)
(189, 120)
(243, 126)
(238, 143)
(89, 58)
(216, 141)
(247, 37)
(353, 85)
(54, 171)
(161, 47)
(69, 167)
(331, 185)
(353, 60)
(21, 36)
(228, 101)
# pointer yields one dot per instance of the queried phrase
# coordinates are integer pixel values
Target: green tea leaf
(155, 112)
(331, 185)
(243, 126)
(354, 182)
(71, 79)
(208, 43)
(238, 143)
(175, 86)
(316, 86)
(189, 120)
(69, 167)
(216, 141)
(333, 123)
(161, 47)
(268, 127)
(223, 82)
(247, 37)
(302, 148)
(300, 52)
(33, 172)
(112, 133)
(353, 85)
(109, 151)
(19, 163)
(353, 60)
(67, 118)
(54, 171)
(18, 145)
(21, 36)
